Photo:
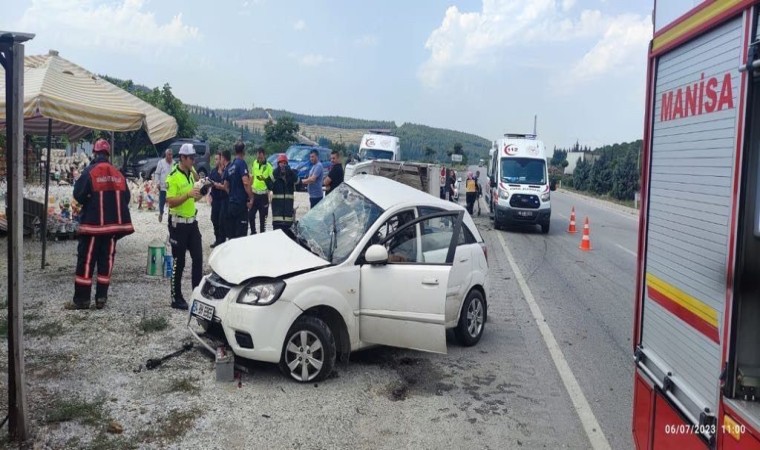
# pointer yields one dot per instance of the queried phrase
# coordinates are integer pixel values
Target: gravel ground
(84, 383)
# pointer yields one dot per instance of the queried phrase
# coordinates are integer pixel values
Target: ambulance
(696, 324)
(518, 175)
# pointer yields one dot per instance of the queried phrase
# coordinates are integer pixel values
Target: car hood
(271, 254)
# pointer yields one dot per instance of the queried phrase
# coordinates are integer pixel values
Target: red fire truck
(697, 311)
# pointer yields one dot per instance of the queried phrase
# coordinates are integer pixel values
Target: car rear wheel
(308, 353)
(472, 320)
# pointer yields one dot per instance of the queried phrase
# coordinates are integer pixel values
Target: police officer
(184, 233)
(262, 182)
(102, 192)
(238, 185)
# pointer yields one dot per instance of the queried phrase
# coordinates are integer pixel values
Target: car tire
(472, 319)
(545, 227)
(301, 361)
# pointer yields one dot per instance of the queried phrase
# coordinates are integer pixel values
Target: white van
(379, 144)
(519, 182)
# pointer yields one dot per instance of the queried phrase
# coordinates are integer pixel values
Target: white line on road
(588, 420)
(626, 250)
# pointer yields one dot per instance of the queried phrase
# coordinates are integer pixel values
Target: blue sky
(480, 66)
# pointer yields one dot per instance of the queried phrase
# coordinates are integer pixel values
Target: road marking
(588, 420)
(626, 250)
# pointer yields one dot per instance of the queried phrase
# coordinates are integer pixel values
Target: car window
(200, 149)
(324, 155)
(425, 242)
(465, 236)
(392, 224)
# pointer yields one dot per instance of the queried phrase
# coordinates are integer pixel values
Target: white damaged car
(374, 263)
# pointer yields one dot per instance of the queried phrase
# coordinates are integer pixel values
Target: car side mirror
(376, 254)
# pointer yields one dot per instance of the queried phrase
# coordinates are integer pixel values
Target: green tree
(429, 154)
(282, 131)
(600, 181)
(625, 177)
(581, 175)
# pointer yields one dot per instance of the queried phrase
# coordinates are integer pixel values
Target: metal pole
(43, 231)
(14, 94)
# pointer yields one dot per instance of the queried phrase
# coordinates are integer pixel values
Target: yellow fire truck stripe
(693, 22)
(694, 305)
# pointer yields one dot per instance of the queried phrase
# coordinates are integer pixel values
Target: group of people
(238, 195)
(472, 187)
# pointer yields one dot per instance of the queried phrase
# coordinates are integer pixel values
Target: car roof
(387, 193)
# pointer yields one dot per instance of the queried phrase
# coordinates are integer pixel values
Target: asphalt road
(586, 299)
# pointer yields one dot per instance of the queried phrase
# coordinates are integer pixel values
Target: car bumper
(253, 332)
(509, 215)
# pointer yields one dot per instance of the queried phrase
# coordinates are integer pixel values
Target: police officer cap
(187, 149)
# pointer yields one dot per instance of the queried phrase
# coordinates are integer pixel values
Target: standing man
(262, 182)
(335, 177)
(471, 187)
(184, 233)
(162, 171)
(102, 192)
(238, 186)
(282, 194)
(315, 179)
(218, 198)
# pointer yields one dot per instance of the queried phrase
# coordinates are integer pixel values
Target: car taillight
(485, 250)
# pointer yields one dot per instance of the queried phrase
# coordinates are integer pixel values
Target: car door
(403, 302)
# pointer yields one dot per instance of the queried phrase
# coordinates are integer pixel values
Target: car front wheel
(308, 353)
(472, 320)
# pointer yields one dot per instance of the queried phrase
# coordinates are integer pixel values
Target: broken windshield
(334, 227)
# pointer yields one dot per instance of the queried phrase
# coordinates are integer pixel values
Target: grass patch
(48, 365)
(76, 408)
(171, 427)
(152, 324)
(47, 329)
(28, 317)
(184, 385)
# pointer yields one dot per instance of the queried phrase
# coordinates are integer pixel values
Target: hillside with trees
(611, 170)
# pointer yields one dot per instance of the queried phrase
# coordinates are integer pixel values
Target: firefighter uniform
(285, 180)
(184, 233)
(102, 192)
(262, 180)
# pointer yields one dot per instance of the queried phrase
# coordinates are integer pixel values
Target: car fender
(480, 279)
(321, 295)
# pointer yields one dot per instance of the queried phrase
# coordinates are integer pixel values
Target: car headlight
(261, 292)
(503, 193)
(142, 161)
(545, 197)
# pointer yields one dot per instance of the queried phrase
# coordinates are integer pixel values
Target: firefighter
(102, 192)
(184, 233)
(261, 171)
(282, 194)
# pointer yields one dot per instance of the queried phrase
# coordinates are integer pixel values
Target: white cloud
(624, 41)
(299, 25)
(120, 26)
(367, 40)
(468, 38)
(314, 60)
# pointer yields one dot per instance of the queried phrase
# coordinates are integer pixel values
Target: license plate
(202, 310)
(525, 213)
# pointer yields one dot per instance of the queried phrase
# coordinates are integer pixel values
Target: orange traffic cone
(571, 228)
(586, 240)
